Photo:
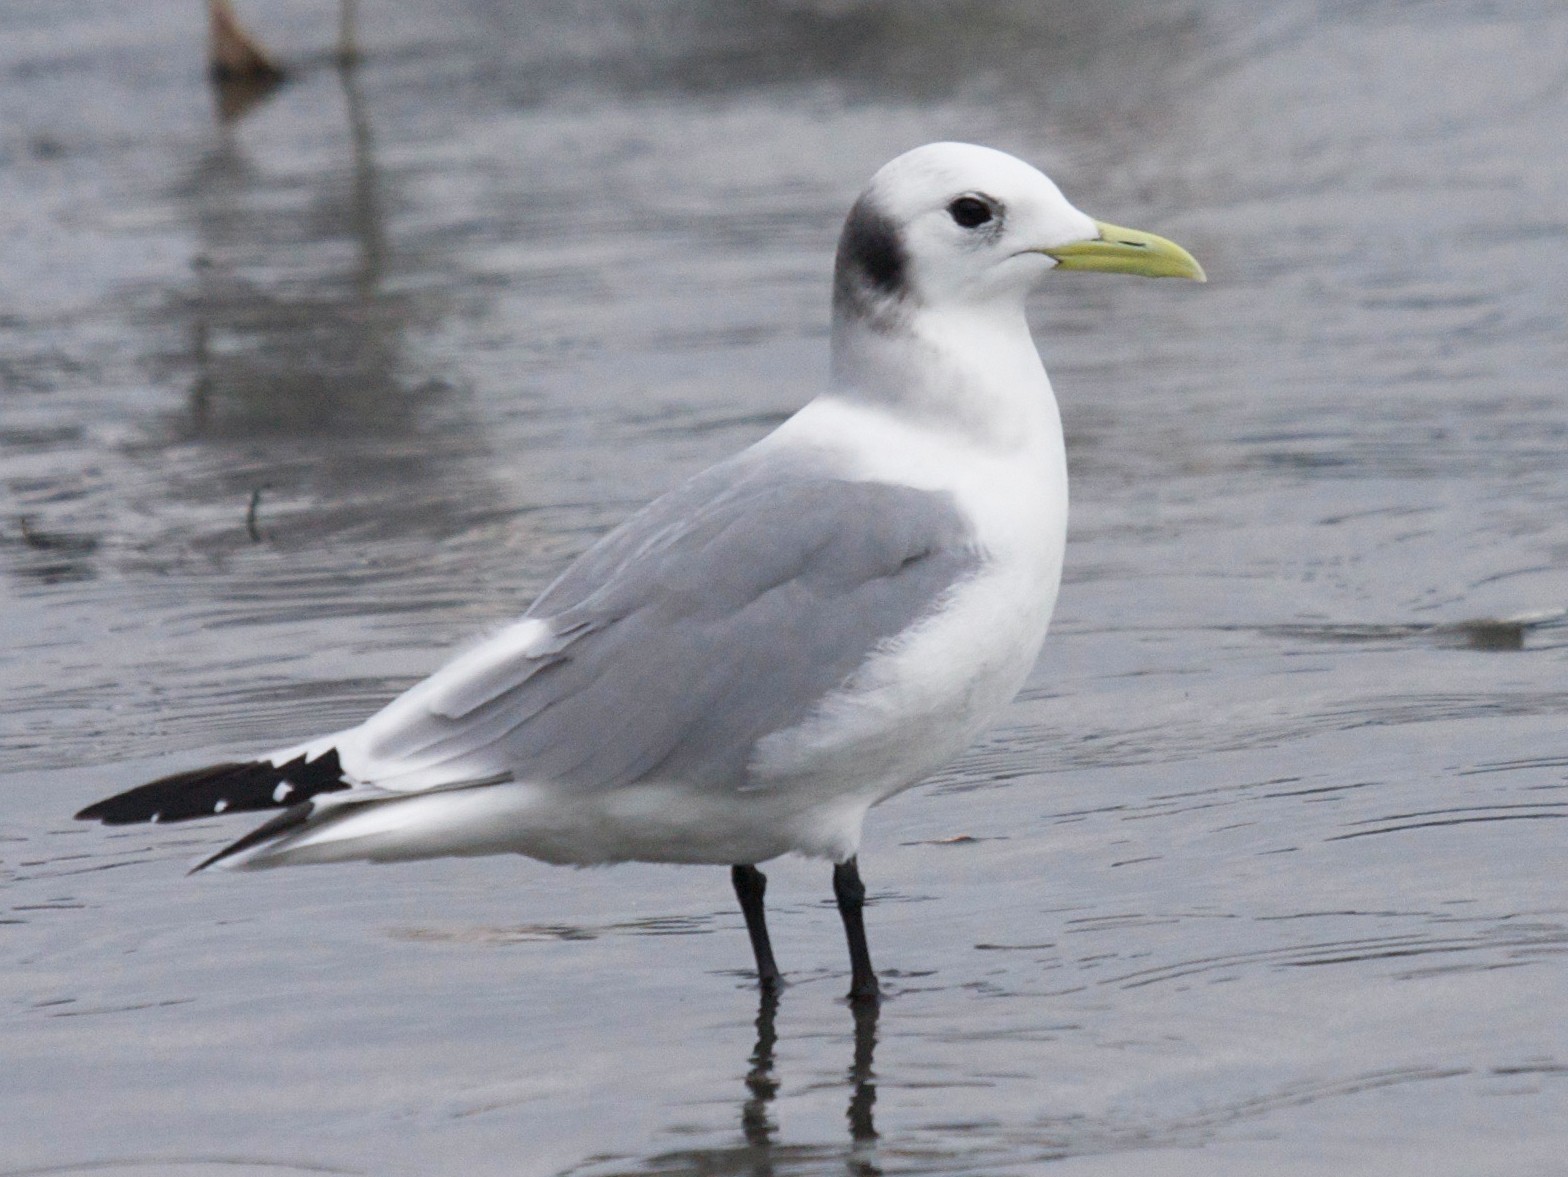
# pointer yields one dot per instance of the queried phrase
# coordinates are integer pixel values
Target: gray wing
(720, 613)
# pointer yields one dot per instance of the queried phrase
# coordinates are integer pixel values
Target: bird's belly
(680, 824)
(652, 822)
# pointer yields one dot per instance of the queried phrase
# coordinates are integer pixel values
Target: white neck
(970, 370)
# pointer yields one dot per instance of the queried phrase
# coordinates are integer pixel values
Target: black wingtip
(222, 788)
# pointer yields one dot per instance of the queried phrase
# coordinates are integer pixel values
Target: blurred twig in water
(252, 525)
(54, 541)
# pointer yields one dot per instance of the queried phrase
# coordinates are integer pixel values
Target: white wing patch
(410, 745)
(501, 664)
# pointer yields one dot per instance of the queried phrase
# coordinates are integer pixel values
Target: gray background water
(1263, 873)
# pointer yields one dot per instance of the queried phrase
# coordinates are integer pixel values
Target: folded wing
(686, 636)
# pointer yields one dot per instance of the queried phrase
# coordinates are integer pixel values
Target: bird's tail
(245, 787)
(323, 822)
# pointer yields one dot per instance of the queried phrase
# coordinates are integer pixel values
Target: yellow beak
(1127, 251)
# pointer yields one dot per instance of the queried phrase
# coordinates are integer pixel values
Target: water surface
(1262, 873)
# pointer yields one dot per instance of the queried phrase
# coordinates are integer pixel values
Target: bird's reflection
(761, 1153)
(756, 1124)
(863, 1091)
(762, 1156)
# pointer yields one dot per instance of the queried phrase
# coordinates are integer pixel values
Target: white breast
(923, 696)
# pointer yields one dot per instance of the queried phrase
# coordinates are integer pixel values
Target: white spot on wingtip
(282, 791)
(220, 806)
(157, 815)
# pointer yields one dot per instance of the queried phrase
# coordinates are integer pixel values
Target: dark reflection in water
(762, 1154)
(1543, 627)
(301, 380)
(863, 1088)
(237, 94)
(51, 557)
(756, 1123)
(299, 351)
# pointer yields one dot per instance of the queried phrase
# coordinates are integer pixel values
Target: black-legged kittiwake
(747, 665)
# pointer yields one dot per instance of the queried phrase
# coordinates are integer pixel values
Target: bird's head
(950, 224)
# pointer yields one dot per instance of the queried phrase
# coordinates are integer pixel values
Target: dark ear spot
(871, 259)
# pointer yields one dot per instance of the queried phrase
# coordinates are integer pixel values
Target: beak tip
(1118, 250)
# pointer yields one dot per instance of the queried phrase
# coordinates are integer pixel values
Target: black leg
(750, 884)
(851, 895)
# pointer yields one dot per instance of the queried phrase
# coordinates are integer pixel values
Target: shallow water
(1262, 873)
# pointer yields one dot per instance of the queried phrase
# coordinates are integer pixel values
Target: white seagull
(747, 665)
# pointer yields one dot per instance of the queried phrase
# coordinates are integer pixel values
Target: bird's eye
(969, 211)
